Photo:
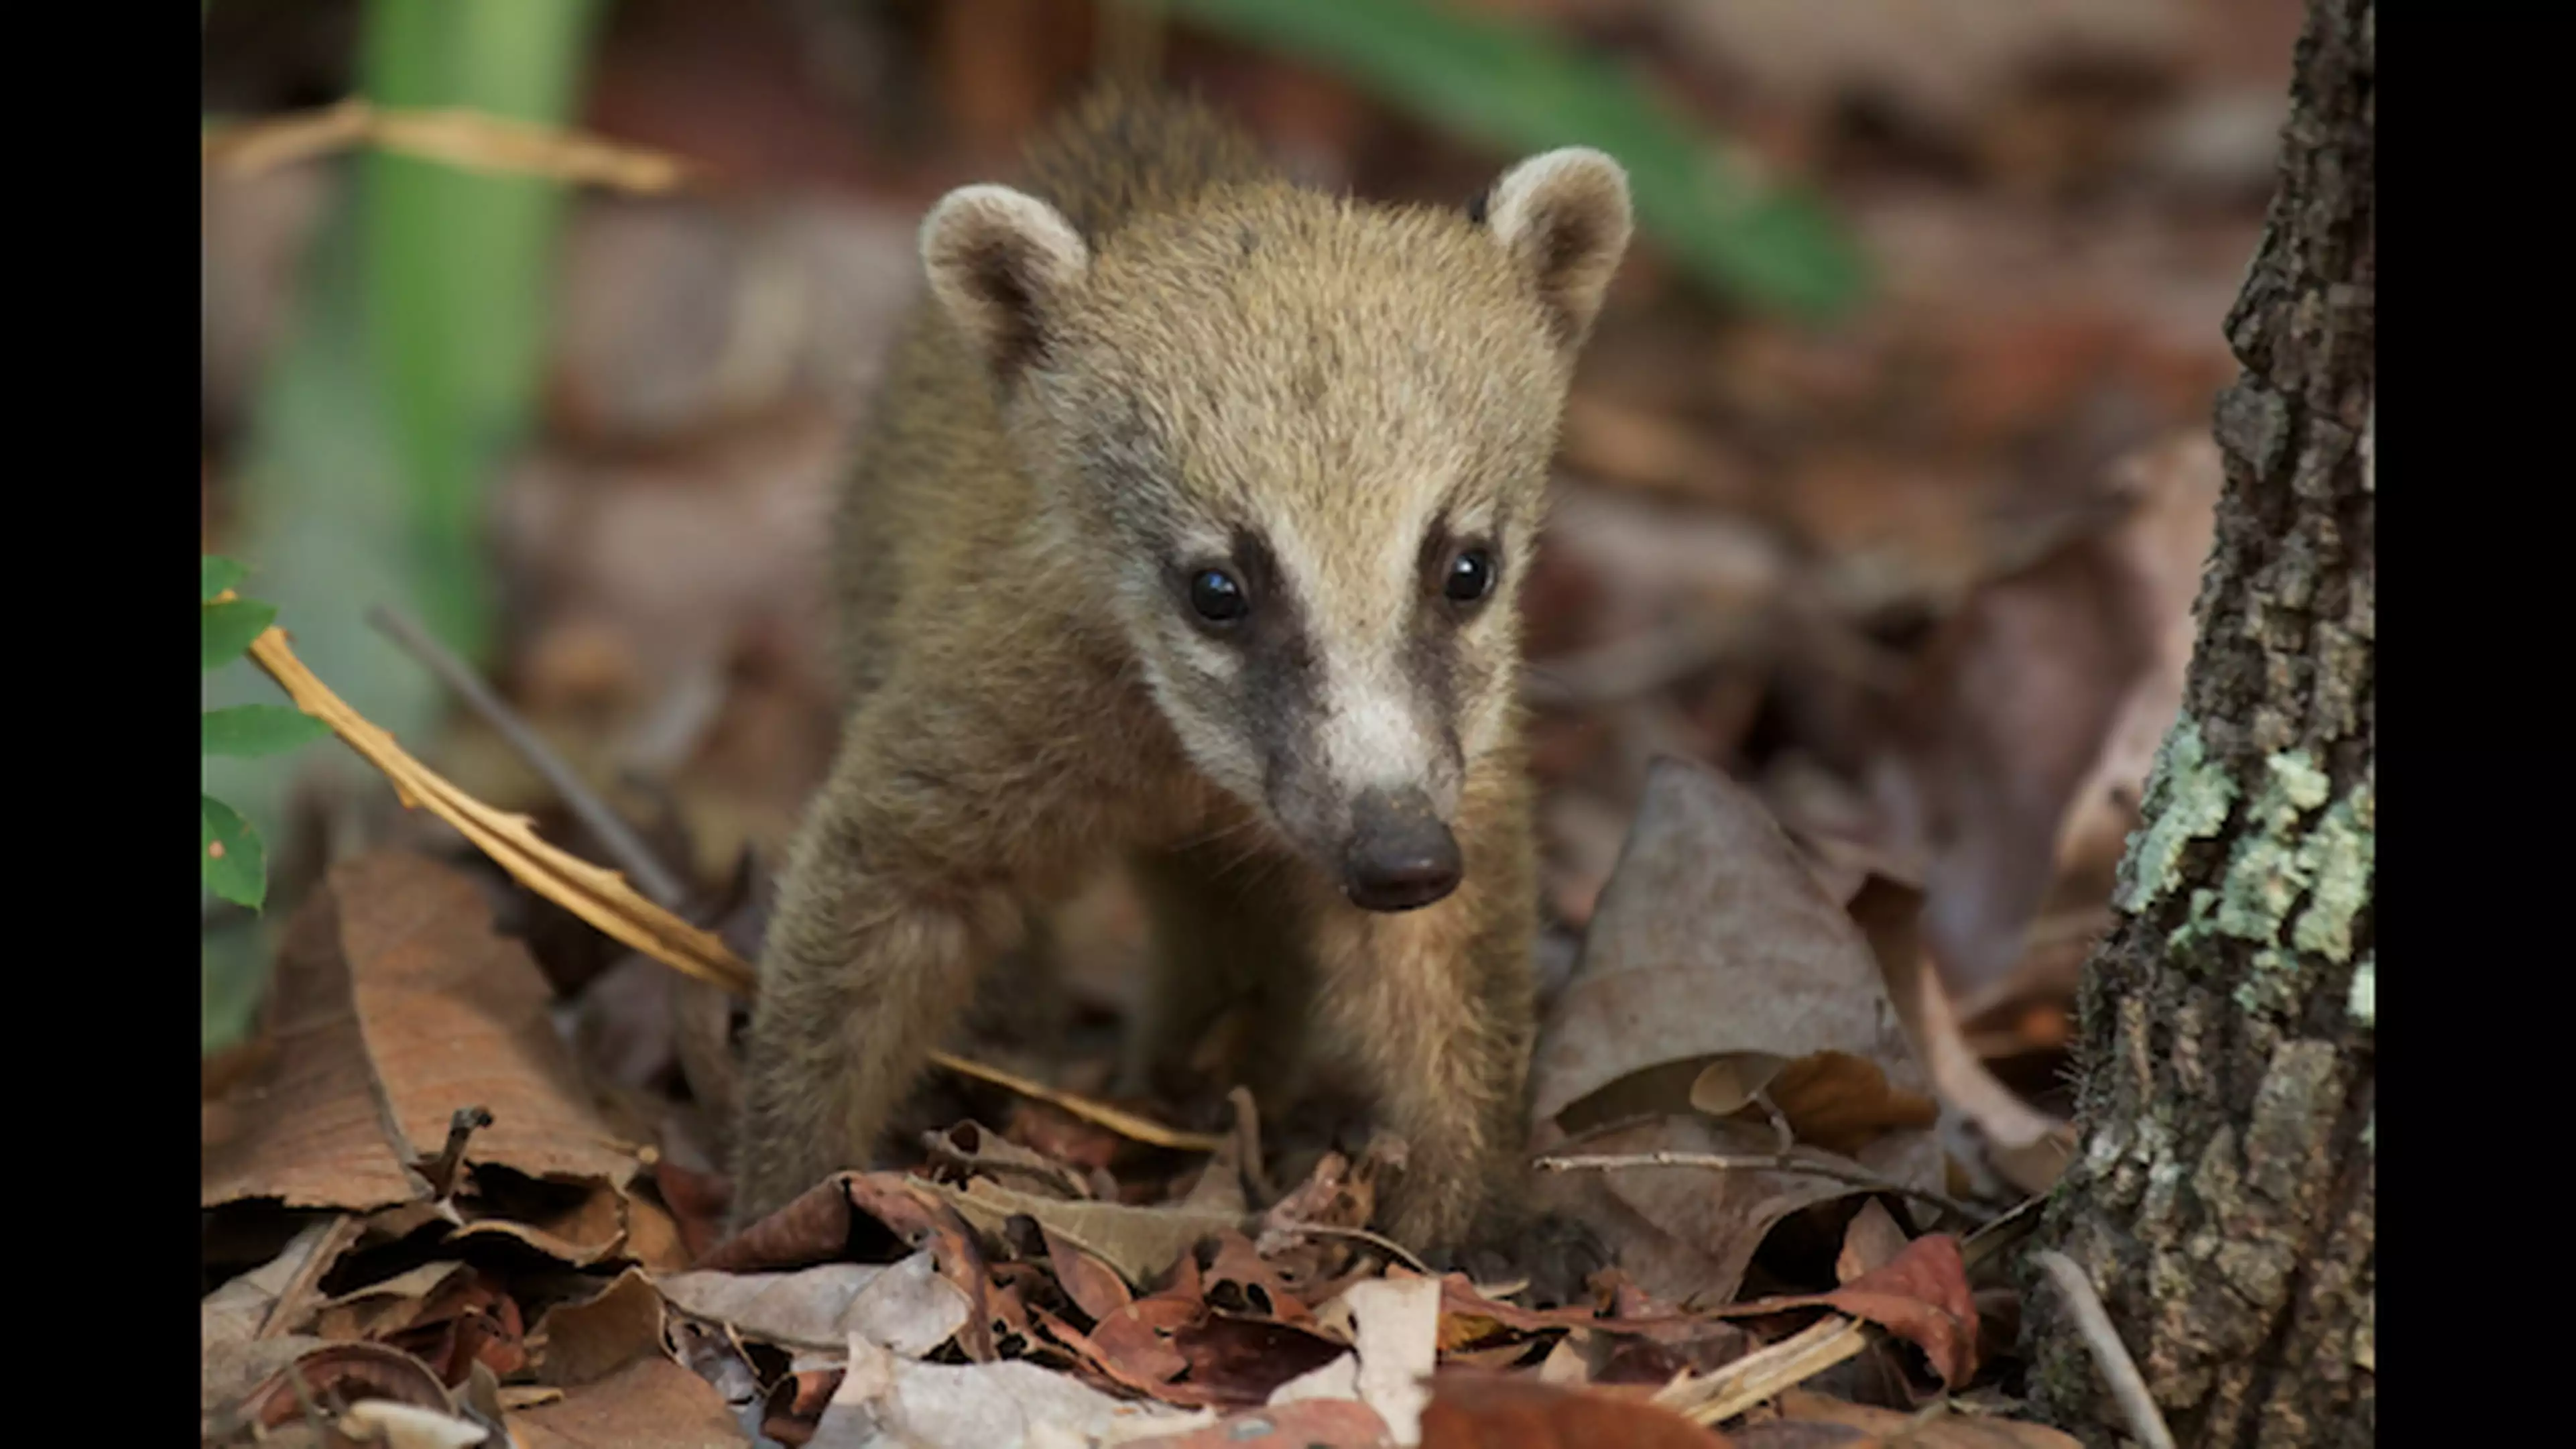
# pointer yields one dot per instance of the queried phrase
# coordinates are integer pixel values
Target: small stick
(441, 1170)
(1328, 1230)
(1856, 1176)
(2128, 1389)
(602, 897)
(615, 836)
(342, 1232)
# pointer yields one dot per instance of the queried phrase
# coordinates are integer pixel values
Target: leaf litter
(567, 1276)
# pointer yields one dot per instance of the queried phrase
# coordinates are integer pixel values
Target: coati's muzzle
(1400, 855)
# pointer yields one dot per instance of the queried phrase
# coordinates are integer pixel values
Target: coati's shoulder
(1121, 153)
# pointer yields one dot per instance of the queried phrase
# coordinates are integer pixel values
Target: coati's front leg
(867, 967)
(1438, 1009)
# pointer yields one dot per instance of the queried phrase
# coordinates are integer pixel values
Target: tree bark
(2223, 1199)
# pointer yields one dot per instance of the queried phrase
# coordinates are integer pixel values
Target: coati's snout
(1401, 855)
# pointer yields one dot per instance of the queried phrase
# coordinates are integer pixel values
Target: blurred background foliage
(1914, 275)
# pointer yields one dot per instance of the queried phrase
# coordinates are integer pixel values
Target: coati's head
(1307, 438)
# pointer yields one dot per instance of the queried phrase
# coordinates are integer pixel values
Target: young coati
(1189, 524)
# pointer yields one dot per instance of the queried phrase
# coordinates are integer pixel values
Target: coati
(1189, 523)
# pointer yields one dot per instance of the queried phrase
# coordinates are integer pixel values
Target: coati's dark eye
(1471, 577)
(1217, 597)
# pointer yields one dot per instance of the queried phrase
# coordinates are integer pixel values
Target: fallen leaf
(1714, 940)
(1238, 1280)
(583, 1342)
(237, 1311)
(1496, 1411)
(345, 1372)
(1140, 1242)
(1093, 1286)
(1396, 1330)
(1948, 1431)
(1870, 1242)
(304, 1127)
(2027, 1146)
(1008, 1405)
(455, 1015)
(968, 1146)
(905, 1306)
(1306, 1424)
(407, 1426)
(651, 1403)
(1688, 1233)
(1236, 1361)
(1922, 1295)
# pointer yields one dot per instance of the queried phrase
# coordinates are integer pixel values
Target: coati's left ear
(1000, 263)
(1563, 215)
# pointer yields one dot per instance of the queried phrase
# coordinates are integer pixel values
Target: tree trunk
(2223, 1200)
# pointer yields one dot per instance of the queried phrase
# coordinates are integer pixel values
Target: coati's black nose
(1401, 856)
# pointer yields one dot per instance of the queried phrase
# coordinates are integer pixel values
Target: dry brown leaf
(1841, 1102)
(1713, 940)
(348, 1371)
(305, 1128)
(1093, 1286)
(263, 1300)
(906, 1307)
(1870, 1242)
(581, 1343)
(651, 1403)
(885, 1399)
(1686, 1233)
(1953, 1431)
(1306, 1423)
(473, 140)
(1139, 1242)
(455, 1015)
(1498, 1411)
(2035, 712)
(1922, 1294)
(2028, 1147)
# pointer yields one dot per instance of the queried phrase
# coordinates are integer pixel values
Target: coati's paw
(1556, 1254)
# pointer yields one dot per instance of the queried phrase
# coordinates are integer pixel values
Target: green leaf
(236, 863)
(230, 626)
(251, 730)
(1515, 85)
(221, 574)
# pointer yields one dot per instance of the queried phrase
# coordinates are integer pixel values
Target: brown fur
(1181, 347)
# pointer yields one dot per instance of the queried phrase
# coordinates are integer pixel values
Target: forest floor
(1850, 648)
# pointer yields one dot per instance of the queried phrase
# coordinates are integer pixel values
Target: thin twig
(441, 1171)
(2128, 1388)
(467, 139)
(624, 846)
(1329, 1230)
(1855, 1175)
(1765, 1372)
(602, 896)
(340, 1234)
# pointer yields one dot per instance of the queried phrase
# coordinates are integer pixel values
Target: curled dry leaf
(1714, 941)
(1496, 1411)
(1922, 1295)
(1688, 1233)
(906, 1307)
(1139, 1242)
(1013, 1405)
(1315, 1423)
(1873, 1426)
(583, 1342)
(303, 1127)
(652, 1403)
(456, 1015)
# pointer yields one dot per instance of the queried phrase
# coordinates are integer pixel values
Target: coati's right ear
(1000, 263)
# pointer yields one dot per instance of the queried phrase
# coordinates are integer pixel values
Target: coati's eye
(1217, 597)
(1470, 577)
